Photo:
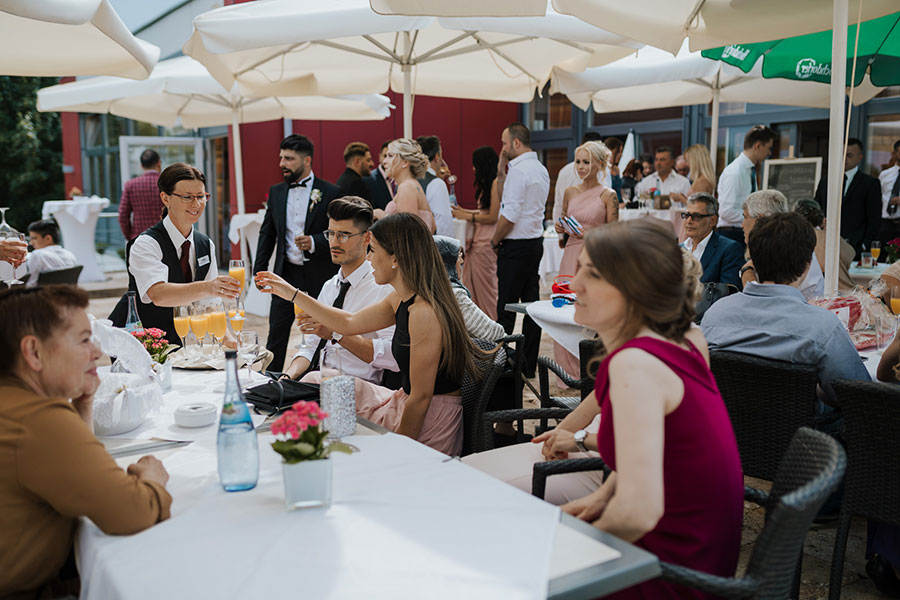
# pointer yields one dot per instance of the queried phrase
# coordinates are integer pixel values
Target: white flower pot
(307, 483)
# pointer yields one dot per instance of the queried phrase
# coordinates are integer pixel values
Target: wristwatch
(580, 436)
(335, 337)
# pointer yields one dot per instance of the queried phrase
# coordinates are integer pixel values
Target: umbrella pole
(407, 87)
(714, 127)
(238, 160)
(836, 144)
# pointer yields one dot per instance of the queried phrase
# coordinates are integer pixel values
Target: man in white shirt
(738, 180)
(518, 237)
(436, 191)
(665, 179)
(47, 255)
(352, 288)
(890, 201)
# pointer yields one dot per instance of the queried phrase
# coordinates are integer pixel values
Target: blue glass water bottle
(238, 448)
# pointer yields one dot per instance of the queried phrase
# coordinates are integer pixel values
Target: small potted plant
(154, 341)
(305, 456)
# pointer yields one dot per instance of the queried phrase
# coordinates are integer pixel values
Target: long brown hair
(643, 261)
(406, 237)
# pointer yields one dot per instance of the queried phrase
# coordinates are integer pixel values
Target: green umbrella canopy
(808, 57)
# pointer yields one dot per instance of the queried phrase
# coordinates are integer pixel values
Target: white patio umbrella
(342, 46)
(56, 38)
(653, 78)
(181, 91)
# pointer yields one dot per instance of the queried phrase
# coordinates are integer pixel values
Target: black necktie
(895, 191)
(338, 303)
(297, 184)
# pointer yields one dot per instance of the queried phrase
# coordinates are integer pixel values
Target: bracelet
(745, 269)
(295, 294)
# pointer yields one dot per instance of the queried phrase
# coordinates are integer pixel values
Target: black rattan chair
(68, 275)
(872, 487)
(476, 393)
(810, 471)
(587, 349)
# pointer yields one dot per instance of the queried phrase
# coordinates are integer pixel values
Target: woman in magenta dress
(406, 164)
(591, 204)
(676, 489)
(480, 273)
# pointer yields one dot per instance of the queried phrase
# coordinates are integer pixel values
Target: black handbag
(277, 396)
(712, 291)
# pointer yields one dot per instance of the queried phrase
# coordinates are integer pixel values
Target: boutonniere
(314, 197)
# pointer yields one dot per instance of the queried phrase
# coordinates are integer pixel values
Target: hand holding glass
(300, 316)
(237, 270)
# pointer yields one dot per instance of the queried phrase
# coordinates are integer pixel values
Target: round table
(77, 219)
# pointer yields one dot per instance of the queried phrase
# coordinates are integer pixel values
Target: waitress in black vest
(172, 264)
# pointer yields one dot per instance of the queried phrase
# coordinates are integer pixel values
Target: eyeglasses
(201, 198)
(339, 236)
(695, 216)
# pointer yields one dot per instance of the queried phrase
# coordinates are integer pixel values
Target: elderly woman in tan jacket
(52, 468)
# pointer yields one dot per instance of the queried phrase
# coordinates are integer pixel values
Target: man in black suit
(358, 161)
(861, 201)
(720, 257)
(296, 216)
(381, 192)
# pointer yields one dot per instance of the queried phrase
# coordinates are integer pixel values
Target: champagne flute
(237, 270)
(182, 319)
(300, 314)
(199, 321)
(218, 325)
(249, 350)
(895, 299)
(12, 234)
(875, 249)
(236, 316)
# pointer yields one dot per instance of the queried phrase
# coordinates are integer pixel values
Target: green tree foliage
(30, 151)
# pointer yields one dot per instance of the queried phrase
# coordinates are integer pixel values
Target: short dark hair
(430, 144)
(385, 144)
(759, 133)
(518, 131)
(662, 149)
(149, 158)
(613, 143)
(355, 149)
(712, 205)
(896, 145)
(34, 311)
(298, 143)
(858, 143)
(352, 208)
(590, 136)
(781, 247)
(811, 211)
(45, 227)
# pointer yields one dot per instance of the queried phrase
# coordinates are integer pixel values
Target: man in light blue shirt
(771, 319)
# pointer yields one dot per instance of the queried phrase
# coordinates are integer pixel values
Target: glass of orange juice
(182, 318)
(218, 324)
(236, 315)
(237, 270)
(895, 299)
(300, 314)
(199, 321)
(875, 249)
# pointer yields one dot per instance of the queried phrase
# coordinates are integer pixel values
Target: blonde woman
(702, 174)
(405, 165)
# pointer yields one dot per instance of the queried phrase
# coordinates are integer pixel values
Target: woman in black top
(430, 343)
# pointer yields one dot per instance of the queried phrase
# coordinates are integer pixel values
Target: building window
(883, 133)
(550, 111)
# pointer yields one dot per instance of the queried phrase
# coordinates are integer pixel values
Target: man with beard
(358, 160)
(296, 217)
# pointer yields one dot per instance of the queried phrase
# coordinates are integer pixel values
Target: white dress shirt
(734, 187)
(813, 285)
(849, 175)
(295, 224)
(697, 252)
(438, 197)
(525, 197)
(673, 184)
(49, 258)
(566, 178)
(887, 179)
(146, 265)
(363, 292)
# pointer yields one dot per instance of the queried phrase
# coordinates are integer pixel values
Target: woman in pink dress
(407, 164)
(480, 273)
(591, 204)
(431, 344)
(676, 489)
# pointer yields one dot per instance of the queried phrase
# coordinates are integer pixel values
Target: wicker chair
(476, 393)
(810, 471)
(587, 349)
(872, 487)
(767, 401)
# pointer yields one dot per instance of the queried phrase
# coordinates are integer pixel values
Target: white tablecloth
(78, 223)
(549, 267)
(244, 229)
(559, 323)
(862, 276)
(673, 215)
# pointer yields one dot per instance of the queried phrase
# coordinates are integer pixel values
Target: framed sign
(796, 178)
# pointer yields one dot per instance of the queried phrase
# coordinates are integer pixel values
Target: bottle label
(235, 412)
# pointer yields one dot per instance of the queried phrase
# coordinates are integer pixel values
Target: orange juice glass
(236, 318)
(199, 325)
(182, 326)
(217, 324)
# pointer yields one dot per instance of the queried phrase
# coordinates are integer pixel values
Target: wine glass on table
(249, 350)
(875, 249)
(236, 316)
(182, 319)
(9, 233)
(199, 322)
(218, 324)
(237, 270)
(299, 314)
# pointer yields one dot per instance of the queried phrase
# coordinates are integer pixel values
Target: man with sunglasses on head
(720, 257)
(366, 356)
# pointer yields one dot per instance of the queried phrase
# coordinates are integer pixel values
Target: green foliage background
(30, 151)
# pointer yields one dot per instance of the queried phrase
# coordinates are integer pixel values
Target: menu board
(796, 178)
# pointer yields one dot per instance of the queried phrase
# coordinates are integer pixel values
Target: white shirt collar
(531, 155)
(175, 235)
(745, 161)
(432, 171)
(357, 275)
(689, 243)
(850, 174)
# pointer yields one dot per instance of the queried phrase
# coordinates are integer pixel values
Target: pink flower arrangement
(302, 425)
(154, 341)
(299, 418)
